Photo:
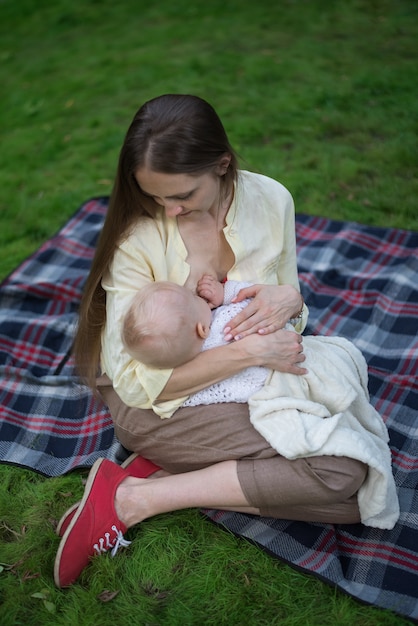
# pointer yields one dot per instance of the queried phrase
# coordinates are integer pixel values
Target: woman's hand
(281, 351)
(272, 306)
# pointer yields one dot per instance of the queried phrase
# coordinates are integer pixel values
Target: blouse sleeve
(262, 235)
(288, 268)
(135, 264)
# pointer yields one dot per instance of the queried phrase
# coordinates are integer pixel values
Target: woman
(180, 208)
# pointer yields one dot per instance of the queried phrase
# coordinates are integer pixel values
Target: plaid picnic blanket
(359, 282)
(50, 422)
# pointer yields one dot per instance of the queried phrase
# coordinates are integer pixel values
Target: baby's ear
(202, 330)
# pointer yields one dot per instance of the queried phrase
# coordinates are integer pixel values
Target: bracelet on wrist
(295, 320)
(299, 315)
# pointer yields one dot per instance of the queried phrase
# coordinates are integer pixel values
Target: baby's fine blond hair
(157, 328)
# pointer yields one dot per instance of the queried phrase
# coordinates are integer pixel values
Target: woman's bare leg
(215, 487)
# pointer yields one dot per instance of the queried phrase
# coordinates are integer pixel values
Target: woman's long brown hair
(171, 134)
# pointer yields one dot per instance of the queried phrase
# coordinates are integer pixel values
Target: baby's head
(165, 325)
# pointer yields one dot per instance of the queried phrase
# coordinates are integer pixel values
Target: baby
(167, 325)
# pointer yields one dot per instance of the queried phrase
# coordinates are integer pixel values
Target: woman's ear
(223, 164)
(202, 330)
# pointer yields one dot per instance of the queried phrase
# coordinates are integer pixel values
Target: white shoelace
(105, 544)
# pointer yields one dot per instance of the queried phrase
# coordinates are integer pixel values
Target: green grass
(321, 95)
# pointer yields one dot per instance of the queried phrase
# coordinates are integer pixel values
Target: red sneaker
(135, 465)
(139, 467)
(95, 527)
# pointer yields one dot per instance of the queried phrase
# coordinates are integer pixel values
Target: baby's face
(200, 311)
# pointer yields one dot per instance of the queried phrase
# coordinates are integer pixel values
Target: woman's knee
(339, 477)
(282, 482)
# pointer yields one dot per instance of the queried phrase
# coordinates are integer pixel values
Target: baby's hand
(211, 290)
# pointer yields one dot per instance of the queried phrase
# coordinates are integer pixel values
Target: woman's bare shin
(216, 487)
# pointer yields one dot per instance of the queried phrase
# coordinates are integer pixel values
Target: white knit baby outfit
(241, 386)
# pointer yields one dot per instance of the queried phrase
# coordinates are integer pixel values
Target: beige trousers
(316, 489)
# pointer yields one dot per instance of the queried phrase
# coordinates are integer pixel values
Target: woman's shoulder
(145, 231)
(154, 248)
(261, 184)
(262, 191)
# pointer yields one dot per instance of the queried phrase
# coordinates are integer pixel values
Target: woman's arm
(280, 351)
(269, 236)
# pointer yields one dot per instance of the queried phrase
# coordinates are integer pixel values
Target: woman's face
(181, 195)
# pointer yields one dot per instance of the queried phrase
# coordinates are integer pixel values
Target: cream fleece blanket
(327, 412)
